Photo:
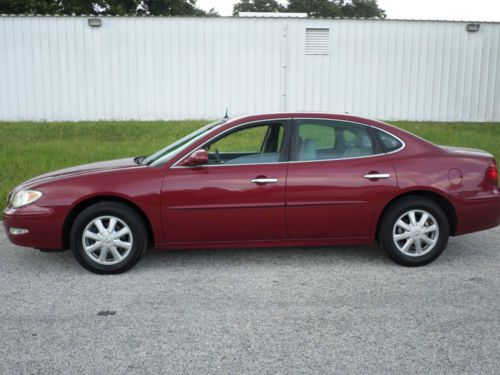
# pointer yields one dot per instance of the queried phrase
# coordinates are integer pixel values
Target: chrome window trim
(392, 135)
(175, 166)
(359, 123)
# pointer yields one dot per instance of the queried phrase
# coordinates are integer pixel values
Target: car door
(338, 180)
(238, 196)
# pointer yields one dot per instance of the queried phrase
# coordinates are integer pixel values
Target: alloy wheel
(107, 240)
(415, 233)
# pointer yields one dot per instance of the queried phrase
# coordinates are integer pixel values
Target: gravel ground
(282, 311)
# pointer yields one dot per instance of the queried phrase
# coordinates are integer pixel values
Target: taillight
(492, 173)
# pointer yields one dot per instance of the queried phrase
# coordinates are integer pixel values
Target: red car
(286, 179)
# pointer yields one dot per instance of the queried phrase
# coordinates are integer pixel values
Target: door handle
(376, 176)
(264, 180)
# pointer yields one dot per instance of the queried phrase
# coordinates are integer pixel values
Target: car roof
(281, 115)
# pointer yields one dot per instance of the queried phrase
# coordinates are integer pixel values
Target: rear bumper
(478, 213)
(43, 225)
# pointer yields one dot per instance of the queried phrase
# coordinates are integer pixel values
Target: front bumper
(43, 225)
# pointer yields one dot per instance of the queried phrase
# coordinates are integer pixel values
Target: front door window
(249, 145)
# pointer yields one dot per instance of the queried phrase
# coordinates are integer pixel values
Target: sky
(455, 10)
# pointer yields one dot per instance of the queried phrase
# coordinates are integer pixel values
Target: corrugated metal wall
(59, 68)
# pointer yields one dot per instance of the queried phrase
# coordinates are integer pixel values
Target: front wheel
(108, 237)
(414, 231)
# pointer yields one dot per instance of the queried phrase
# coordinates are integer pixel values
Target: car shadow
(263, 256)
(351, 256)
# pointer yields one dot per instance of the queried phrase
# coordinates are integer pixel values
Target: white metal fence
(60, 68)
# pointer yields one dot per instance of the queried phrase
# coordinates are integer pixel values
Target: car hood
(80, 170)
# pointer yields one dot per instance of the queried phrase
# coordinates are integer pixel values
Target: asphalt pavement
(266, 311)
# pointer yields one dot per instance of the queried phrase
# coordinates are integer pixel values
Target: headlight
(25, 197)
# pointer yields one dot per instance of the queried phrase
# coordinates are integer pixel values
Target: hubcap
(415, 233)
(107, 240)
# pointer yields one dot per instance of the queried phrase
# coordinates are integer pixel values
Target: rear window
(388, 141)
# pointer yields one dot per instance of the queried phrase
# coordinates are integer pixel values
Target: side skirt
(266, 243)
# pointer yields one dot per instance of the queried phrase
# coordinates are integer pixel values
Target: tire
(108, 238)
(413, 231)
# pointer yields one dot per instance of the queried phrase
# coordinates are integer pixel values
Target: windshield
(165, 154)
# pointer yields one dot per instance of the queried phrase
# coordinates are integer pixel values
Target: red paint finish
(312, 203)
(219, 203)
(334, 199)
(66, 189)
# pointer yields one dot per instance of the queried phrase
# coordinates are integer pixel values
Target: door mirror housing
(199, 157)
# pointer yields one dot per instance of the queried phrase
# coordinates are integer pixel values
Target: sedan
(272, 180)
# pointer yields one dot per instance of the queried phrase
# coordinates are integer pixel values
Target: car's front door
(338, 180)
(238, 196)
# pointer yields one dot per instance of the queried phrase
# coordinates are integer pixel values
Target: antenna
(226, 115)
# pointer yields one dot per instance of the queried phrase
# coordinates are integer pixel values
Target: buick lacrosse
(286, 179)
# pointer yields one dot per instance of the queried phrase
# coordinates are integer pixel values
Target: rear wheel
(414, 231)
(108, 237)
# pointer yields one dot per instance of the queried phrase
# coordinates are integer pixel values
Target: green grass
(28, 149)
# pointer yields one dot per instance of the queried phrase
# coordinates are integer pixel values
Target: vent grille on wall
(317, 41)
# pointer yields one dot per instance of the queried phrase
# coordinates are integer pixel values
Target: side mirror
(199, 157)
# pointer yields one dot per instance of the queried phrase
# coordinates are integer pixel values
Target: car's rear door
(238, 196)
(338, 180)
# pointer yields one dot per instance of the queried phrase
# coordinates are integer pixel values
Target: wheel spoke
(122, 232)
(402, 224)
(430, 229)
(407, 244)
(423, 219)
(100, 227)
(428, 240)
(122, 244)
(104, 254)
(91, 248)
(116, 253)
(402, 236)
(418, 247)
(413, 219)
(92, 235)
(112, 225)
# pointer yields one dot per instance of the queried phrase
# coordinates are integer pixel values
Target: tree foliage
(170, 8)
(315, 8)
(258, 6)
(104, 7)
(362, 9)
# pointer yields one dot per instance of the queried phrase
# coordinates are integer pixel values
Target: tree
(315, 8)
(29, 7)
(362, 9)
(170, 8)
(257, 6)
(104, 7)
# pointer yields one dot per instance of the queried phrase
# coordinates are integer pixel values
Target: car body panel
(137, 185)
(219, 203)
(335, 199)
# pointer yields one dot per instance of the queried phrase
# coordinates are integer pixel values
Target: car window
(324, 136)
(389, 142)
(165, 154)
(328, 139)
(249, 145)
(246, 140)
